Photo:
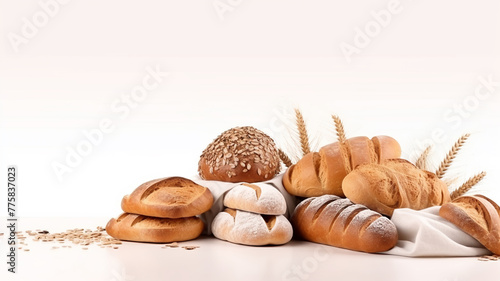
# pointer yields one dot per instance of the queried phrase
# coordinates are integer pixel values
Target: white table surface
(220, 260)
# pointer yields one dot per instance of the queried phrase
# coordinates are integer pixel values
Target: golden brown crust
(392, 184)
(322, 173)
(173, 197)
(132, 227)
(241, 154)
(338, 222)
(477, 216)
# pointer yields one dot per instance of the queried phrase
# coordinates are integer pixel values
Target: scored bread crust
(256, 198)
(132, 227)
(477, 216)
(319, 173)
(252, 229)
(338, 222)
(393, 184)
(172, 197)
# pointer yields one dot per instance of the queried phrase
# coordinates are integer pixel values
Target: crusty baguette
(139, 228)
(392, 184)
(256, 198)
(478, 216)
(247, 228)
(173, 197)
(338, 222)
(319, 173)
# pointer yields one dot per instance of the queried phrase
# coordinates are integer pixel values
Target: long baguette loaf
(392, 184)
(338, 222)
(319, 173)
(478, 216)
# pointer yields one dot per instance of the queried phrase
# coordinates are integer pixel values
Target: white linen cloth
(421, 233)
(424, 233)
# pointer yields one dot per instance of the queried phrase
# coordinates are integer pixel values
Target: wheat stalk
(467, 185)
(284, 158)
(301, 126)
(422, 160)
(445, 164)
(339, 128)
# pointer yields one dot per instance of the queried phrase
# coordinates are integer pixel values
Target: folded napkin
(424, 233)
(421, 233)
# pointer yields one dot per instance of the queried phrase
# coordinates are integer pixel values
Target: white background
(248, 66)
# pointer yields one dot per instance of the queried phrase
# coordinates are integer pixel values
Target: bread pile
(374, 181)
(253, 216)
(162, 210)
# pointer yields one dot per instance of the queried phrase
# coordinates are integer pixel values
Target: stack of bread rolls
(162, 210)
(253, 216)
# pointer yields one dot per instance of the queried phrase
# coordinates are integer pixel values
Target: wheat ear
(445, 164)
(339, 128)
(284, 158)
(422, 160)
(466, 186)
(301, 127)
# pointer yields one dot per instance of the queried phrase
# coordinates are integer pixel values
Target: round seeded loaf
(241, 154)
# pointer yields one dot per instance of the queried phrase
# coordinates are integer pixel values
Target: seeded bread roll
(173, 197)
(262, 199)
(247, 228)
(132, 227)
(338, 222)
(241, 154)
(477, 216)
(319, 173)
(393, 184)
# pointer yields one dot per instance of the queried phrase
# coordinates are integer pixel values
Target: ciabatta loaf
(262, 199)
(338, 222)
(319, 173)
(478, 216)
(251, 229)
(392, 184)
(173, 197)
(139, 228)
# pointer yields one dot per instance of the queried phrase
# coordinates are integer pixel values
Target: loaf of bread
(319, 173)
(393, 184)
(261, 199)
(477, 216)
(247, 228)
(139, 228)
(173, 197)
(241, 154)
(338, 222)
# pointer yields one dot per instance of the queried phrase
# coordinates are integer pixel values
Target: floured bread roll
(251, 229)
(261, 199)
